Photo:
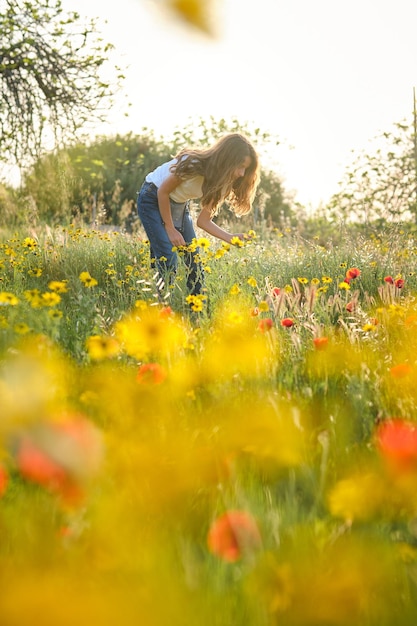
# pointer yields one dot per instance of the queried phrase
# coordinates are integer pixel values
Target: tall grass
(248, 459)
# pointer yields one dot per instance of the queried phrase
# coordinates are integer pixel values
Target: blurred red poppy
(353, 272)
(151, 374)
(287, 322)
(265, 325)
(232, 535)
(397, 442)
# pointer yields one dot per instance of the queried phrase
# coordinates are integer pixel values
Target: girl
(229, 170)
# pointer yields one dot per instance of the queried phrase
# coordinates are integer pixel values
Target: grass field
(244, 459)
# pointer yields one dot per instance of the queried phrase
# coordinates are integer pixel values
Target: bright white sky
(326, 76)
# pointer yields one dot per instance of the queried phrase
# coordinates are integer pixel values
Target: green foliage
(381, 185)
(50, 75)
(96, 182)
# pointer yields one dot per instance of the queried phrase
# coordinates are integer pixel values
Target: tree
(50, 76)
(381, 185)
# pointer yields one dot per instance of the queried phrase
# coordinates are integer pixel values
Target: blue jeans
(162, 256)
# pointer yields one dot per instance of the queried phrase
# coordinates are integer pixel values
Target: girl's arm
(164, 190)
(205, 222)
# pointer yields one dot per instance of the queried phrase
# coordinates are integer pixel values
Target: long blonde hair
(217, 166)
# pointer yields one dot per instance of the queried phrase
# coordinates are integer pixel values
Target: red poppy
(320, 343)
(37, 466)
(265, 325)
(397, 442)
(353, 272)
(401, 370)
(232, 535)
(4, 479)
(399, 283)
(287, 322)
(276, 291)
(151, 374)
(389, 279)
(351, 306)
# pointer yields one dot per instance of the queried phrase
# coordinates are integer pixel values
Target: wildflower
(8, 299)
(351, 306)
(265, 325)
(288, 289)
(233, 535)
(315, 281)
(235, 289)
(4, 479)
(320, 343)
(87, 280)
(252, 282)
(100, 347)
(61, 455)
(399, 283)
(368, 327)
(196, 302)
(255, 311)
(55, 314)
(151, 373)
(389, 280)
(353, 272)
(203, 243)
(264, 306)
(236, 241)
(287, 322)
(302, 280)
(396, 440)
(36, 272)
(401, 370)
(344, 285)
(33, 296)
(22, 328)
(59, 286)
(326, 280)
(29, 243)
(275, 292)
(50, 298)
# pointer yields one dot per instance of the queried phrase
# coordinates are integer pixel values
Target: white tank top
(189, 189)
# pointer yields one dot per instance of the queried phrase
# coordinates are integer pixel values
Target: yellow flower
(204, 243)
(50, 298)
(7, 298)
(55, 314)
(326, 280)
(236, 241)
(302, 280)
(37, 271)
(59, 286)
(344, 286)
(368, 327)
(87, 280)
(21, 329)
(33, 296)
(315, 281)
(263, 306)
(100, 347)
(252, 282)
(235, 289)
(29, 243)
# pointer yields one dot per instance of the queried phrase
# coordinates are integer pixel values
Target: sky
(324, 76)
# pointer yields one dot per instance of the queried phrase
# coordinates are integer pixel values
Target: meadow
(247, 458)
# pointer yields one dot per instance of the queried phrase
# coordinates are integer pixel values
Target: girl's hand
(175, 237)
